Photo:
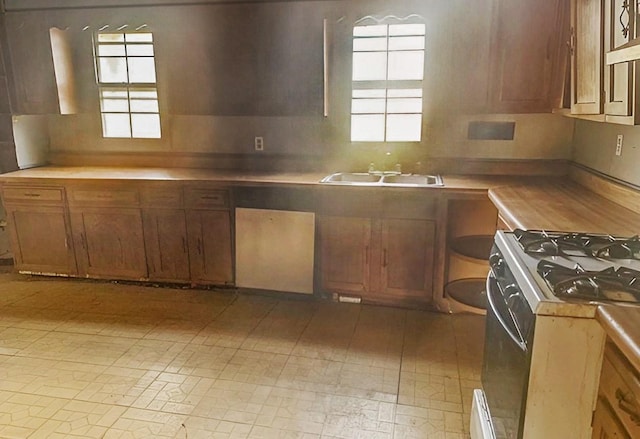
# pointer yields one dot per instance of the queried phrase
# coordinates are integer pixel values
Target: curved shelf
(476, 247)
(467, 295)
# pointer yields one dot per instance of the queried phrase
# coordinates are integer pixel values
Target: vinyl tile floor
(86, 359)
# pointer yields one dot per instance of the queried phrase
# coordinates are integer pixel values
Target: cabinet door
(617, 77)
(346, 254)
(605, 423)
(407, 258)
(586, 57)
(165, 238)
(41, 239)
(522, 55)
(109, 242)
(210, 248)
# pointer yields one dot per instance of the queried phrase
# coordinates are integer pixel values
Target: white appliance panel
(275, 250)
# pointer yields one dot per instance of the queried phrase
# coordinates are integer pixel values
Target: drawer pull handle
(210, 197)
(31, 194)
(628, 404)
(104, 196)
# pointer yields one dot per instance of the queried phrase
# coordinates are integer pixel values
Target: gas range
(563, 273)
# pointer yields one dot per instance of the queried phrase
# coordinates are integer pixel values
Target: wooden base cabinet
(210, 248)
(41, 239)
(165, 236)
(109, 242)
(39, 229)
(346, 254)
(617, 413)
(378, 260)
(605, 423)
(407, 258)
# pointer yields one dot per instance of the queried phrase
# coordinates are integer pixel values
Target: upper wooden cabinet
(586, 56)
(619, 29)
(523, 55)
(607, 93)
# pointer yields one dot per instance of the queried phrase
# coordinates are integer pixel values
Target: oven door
(505, 368)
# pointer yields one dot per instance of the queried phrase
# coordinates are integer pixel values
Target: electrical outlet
(619, 145)
(259, 143)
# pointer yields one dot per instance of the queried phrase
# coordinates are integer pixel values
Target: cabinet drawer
(620, 385)
(32, 194)
(104, 197)
(161, 197)
(206, 198)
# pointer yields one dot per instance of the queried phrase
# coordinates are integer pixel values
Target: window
(126, 76)
(388, 70)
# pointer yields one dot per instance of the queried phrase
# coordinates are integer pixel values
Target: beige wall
(228, 73)
(595, 146)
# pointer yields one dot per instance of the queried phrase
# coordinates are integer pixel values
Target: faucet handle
(372, 168)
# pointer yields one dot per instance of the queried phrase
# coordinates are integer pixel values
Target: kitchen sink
(379, 179)
(352, 178)
(412, 180)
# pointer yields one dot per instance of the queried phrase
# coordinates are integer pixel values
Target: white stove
(543, 347)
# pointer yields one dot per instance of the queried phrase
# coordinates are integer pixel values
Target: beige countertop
(65, 173)
(622, 325)
(563, 205)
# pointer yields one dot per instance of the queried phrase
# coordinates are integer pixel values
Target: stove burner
(545, 243)
(611, 284)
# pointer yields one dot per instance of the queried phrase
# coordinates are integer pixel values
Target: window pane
(144, 37)
(404, 127)
(144, 94)
(114, 105)
(406, 65)
(111, 50)
(146, 125)
(368, 106)
(367, 128)
(369, 93)
(115, 125)
(139, 49)
(406, 43)
(144, 106)
(369, 44)
(370, 31)
(111, 93)
(369, 66)
(404, 105)
(113, 70)
(405, 93)
(142, 70)
(110, 38)
(407, 29)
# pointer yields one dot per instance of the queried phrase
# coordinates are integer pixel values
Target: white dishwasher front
(275, 250)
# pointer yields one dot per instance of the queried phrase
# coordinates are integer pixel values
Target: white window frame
(381, 98)
(137, 100)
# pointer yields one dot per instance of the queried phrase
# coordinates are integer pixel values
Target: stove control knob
(496, 263)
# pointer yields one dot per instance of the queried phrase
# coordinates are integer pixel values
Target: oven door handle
(517, 339)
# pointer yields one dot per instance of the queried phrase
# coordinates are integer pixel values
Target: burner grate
(611, 284)
(545, 243)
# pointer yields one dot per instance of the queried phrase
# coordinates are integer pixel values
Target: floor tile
(78, 358)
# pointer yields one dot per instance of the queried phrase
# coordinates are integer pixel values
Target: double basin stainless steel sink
(379, 179)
